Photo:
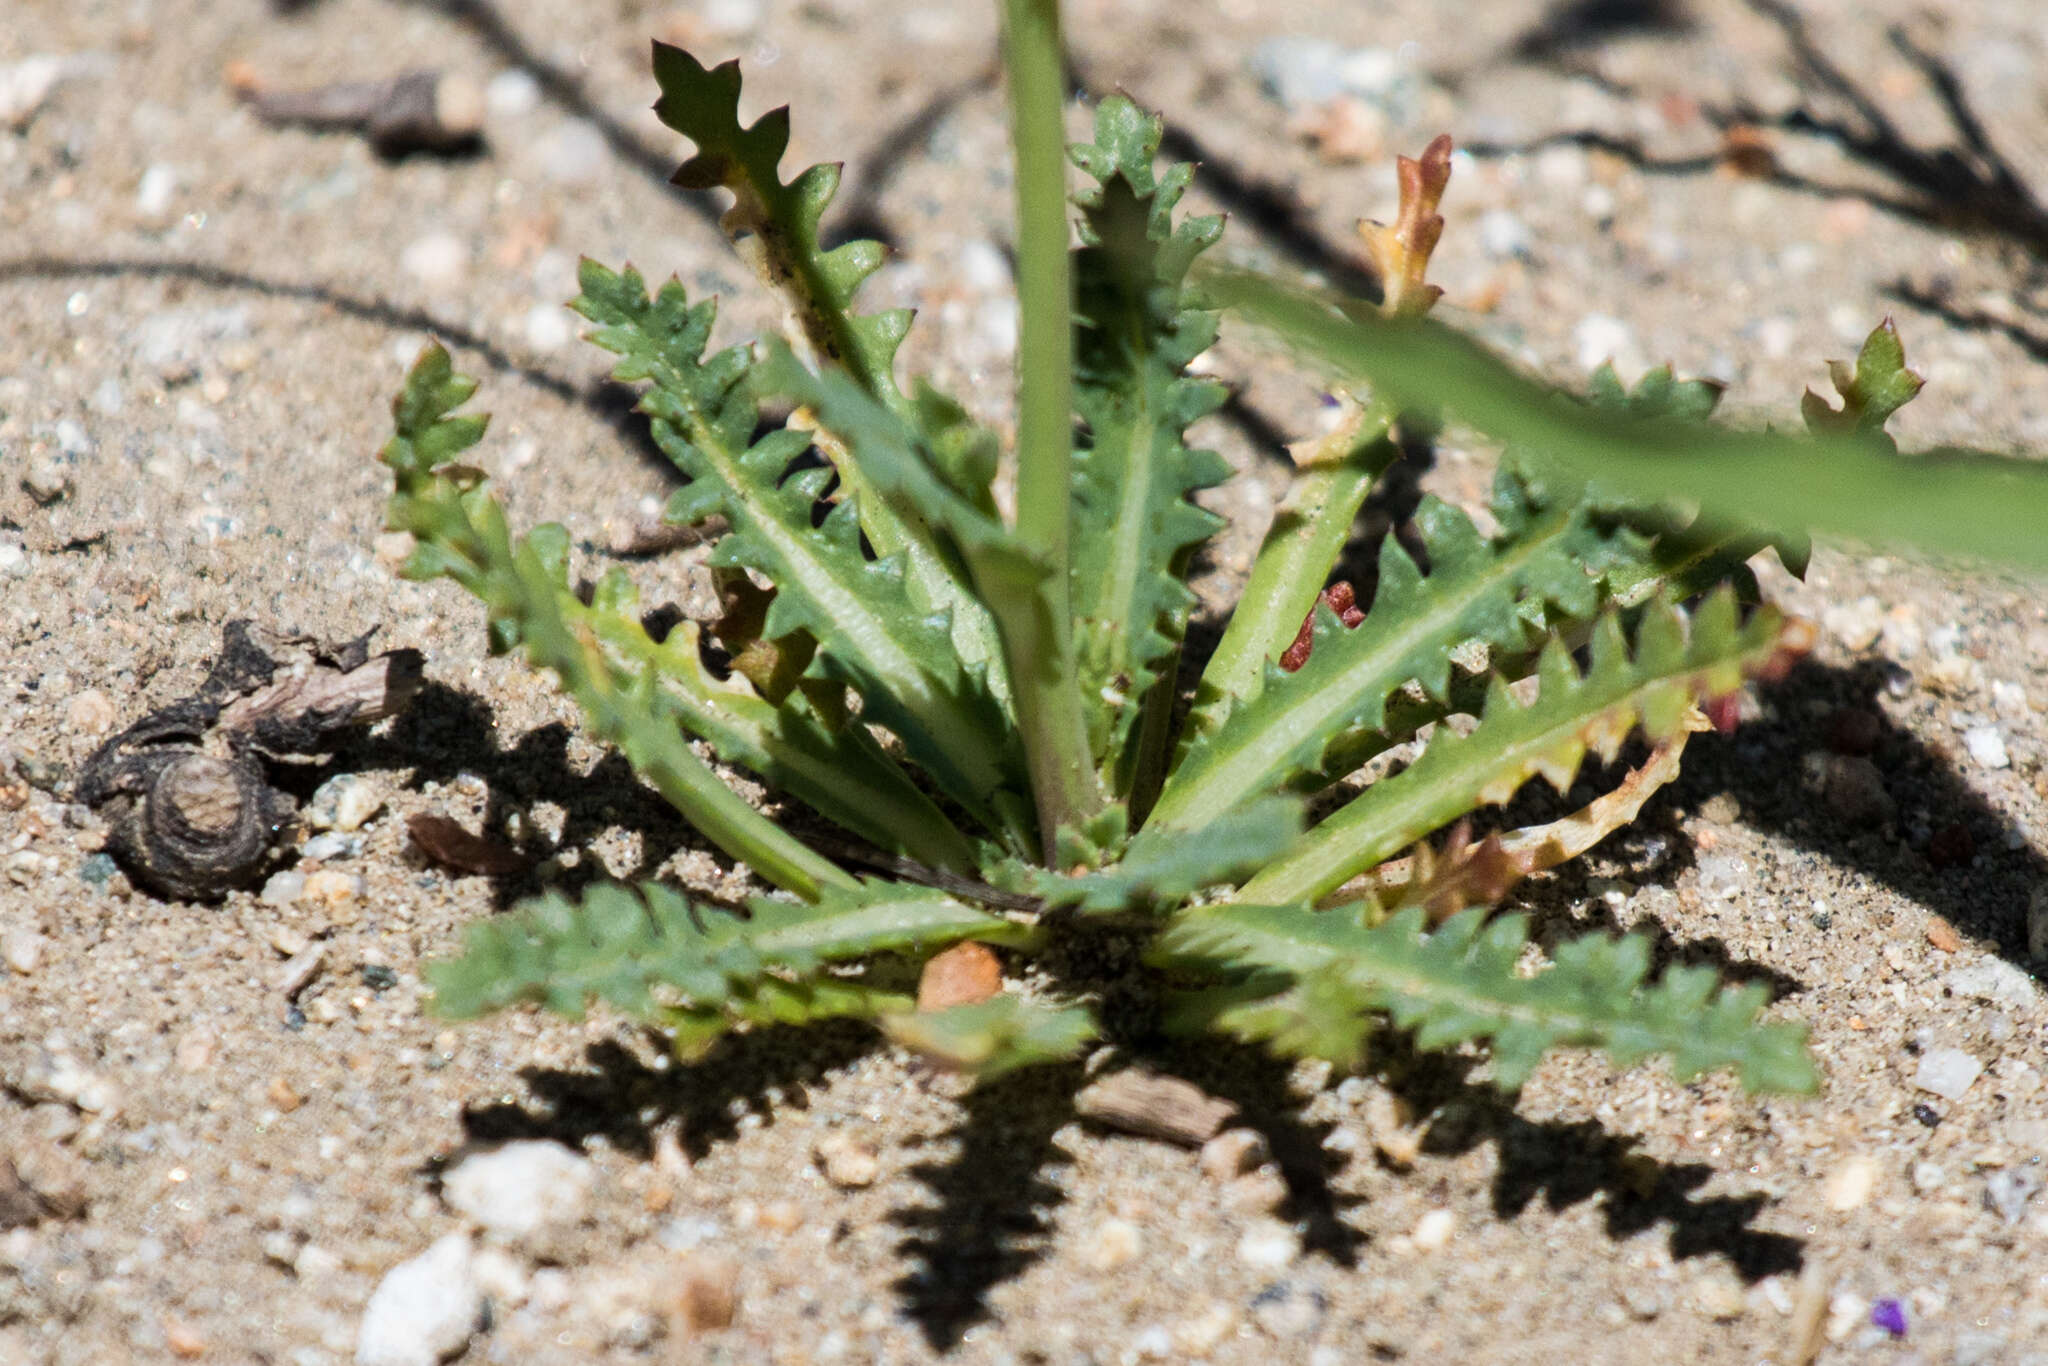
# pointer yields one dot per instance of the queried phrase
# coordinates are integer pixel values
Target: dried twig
(419, 111)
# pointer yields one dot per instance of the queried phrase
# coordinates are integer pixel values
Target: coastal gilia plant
(992, 708)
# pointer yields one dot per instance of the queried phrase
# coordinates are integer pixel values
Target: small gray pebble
(283, 888)
(2007, 1191)
(1285, 1310)
(1947, 1072)
(331, 846)
(343, 802)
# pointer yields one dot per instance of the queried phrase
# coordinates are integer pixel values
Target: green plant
(994, 705)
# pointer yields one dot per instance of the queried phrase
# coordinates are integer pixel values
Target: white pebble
(282, 889)
(512, 94)
(22, 949)
(47, 481)
(524, 1189)
(729, 18)
(437, 260)
(330, 846)
(1112, 1243)
(1433, 1230)
(1268, 1246)
(1602, 338)
(25, 84)
(1502, 235)
(1986, 746)
(154, 192)
(983, 267)
(1947, 1072)
(344, 802)
(573, 153)
(1851, 1184)
(424, 1310)
(547, 327)
(13, 561)
(1997, 981)
(848, 1162)
(1856, 624)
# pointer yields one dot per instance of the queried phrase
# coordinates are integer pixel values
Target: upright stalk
(1043, 670)
(1045, 287)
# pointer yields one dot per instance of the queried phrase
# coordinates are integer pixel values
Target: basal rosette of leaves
(998, 710)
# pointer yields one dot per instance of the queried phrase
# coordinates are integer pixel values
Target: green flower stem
(1307, 536)
(1043, 671)
(1031, 52)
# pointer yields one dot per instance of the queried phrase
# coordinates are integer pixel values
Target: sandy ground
(204, 320)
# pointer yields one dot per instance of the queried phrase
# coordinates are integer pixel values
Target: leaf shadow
(448, 733)
(1968, 182)
(991, 1218)
(1566, 1163)
(1257, 1084)
(1984, 899)
(625, 1098)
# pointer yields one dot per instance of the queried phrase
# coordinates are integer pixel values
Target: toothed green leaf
(1669, 670)
(1010, 578)
(838, 770)
(1320, 969)
(1493, 593)
(461, 533)
(1135, 525)
(1683, 552)
(651, 954)
(775, 227)
(1163, 867)
(868, 632)
(775, 224)
(995, 1036)
(1878, 386)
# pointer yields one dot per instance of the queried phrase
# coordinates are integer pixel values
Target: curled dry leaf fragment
(963, 975)
(1340, 598)
(1400, 254)
(447, 843)
(184, 790)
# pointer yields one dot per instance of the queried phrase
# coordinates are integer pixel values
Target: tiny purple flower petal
(1889, 1315)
